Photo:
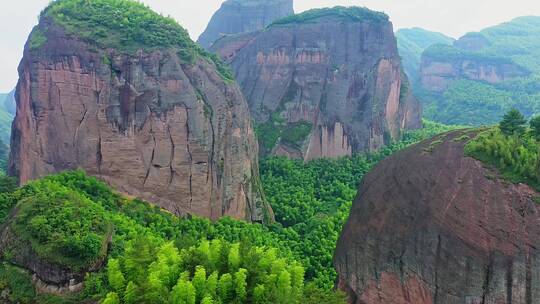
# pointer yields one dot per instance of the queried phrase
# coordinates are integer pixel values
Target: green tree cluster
(212, 272)
(511, 147)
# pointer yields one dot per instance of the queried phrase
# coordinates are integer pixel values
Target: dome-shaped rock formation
(431, 225)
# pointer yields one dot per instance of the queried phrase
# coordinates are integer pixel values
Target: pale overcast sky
(452, 17)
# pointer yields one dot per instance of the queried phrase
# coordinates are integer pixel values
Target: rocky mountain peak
(123, 93)
(241, 16)
(323, 83)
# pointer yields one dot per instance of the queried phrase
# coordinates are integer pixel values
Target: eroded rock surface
(431, 225)
(241, 16)
(175, 134)
(342, 76)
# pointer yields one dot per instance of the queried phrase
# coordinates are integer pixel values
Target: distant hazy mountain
(7, 112)
(411, 44)
(483, 74)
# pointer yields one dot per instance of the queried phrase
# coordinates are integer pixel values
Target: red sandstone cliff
(336, 69)
(432, 226)
(152, 126)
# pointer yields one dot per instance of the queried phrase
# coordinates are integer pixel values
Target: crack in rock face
(147, 124)
(431, 225)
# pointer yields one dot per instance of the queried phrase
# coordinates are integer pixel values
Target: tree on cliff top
(535, 126)
(513, 123)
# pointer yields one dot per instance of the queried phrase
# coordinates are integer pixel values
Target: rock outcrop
(152, 124)
(337, 70)
(241, 16)
(442, 65)
(431, 225)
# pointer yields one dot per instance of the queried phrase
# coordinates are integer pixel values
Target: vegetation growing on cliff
(511, 148)
(276, 129)
(127, 26)
(352, 14)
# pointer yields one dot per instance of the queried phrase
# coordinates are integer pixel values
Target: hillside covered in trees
(483, 75)
(412, 42)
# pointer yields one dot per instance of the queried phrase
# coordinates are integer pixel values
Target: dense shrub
(61, 225)
(517, 157)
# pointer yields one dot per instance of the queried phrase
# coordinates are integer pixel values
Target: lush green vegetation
(125, 25)
(512, 148)
(478, 103)
(517, 39)
(277, 130)
(211, 272)
(153, 253)
(352, 14)
(468, 102)
(412, 43)
(45, 220)
(68, 216)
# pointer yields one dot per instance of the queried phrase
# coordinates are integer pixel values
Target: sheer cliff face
(174, 134)
(342, 77)
(430, 225)
(240, 16)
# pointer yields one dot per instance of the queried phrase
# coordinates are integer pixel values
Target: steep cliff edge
(241, 16)
(132, 100)
(431, 225)
(324, 83)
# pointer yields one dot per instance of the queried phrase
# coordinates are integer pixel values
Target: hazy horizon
(450, 18)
